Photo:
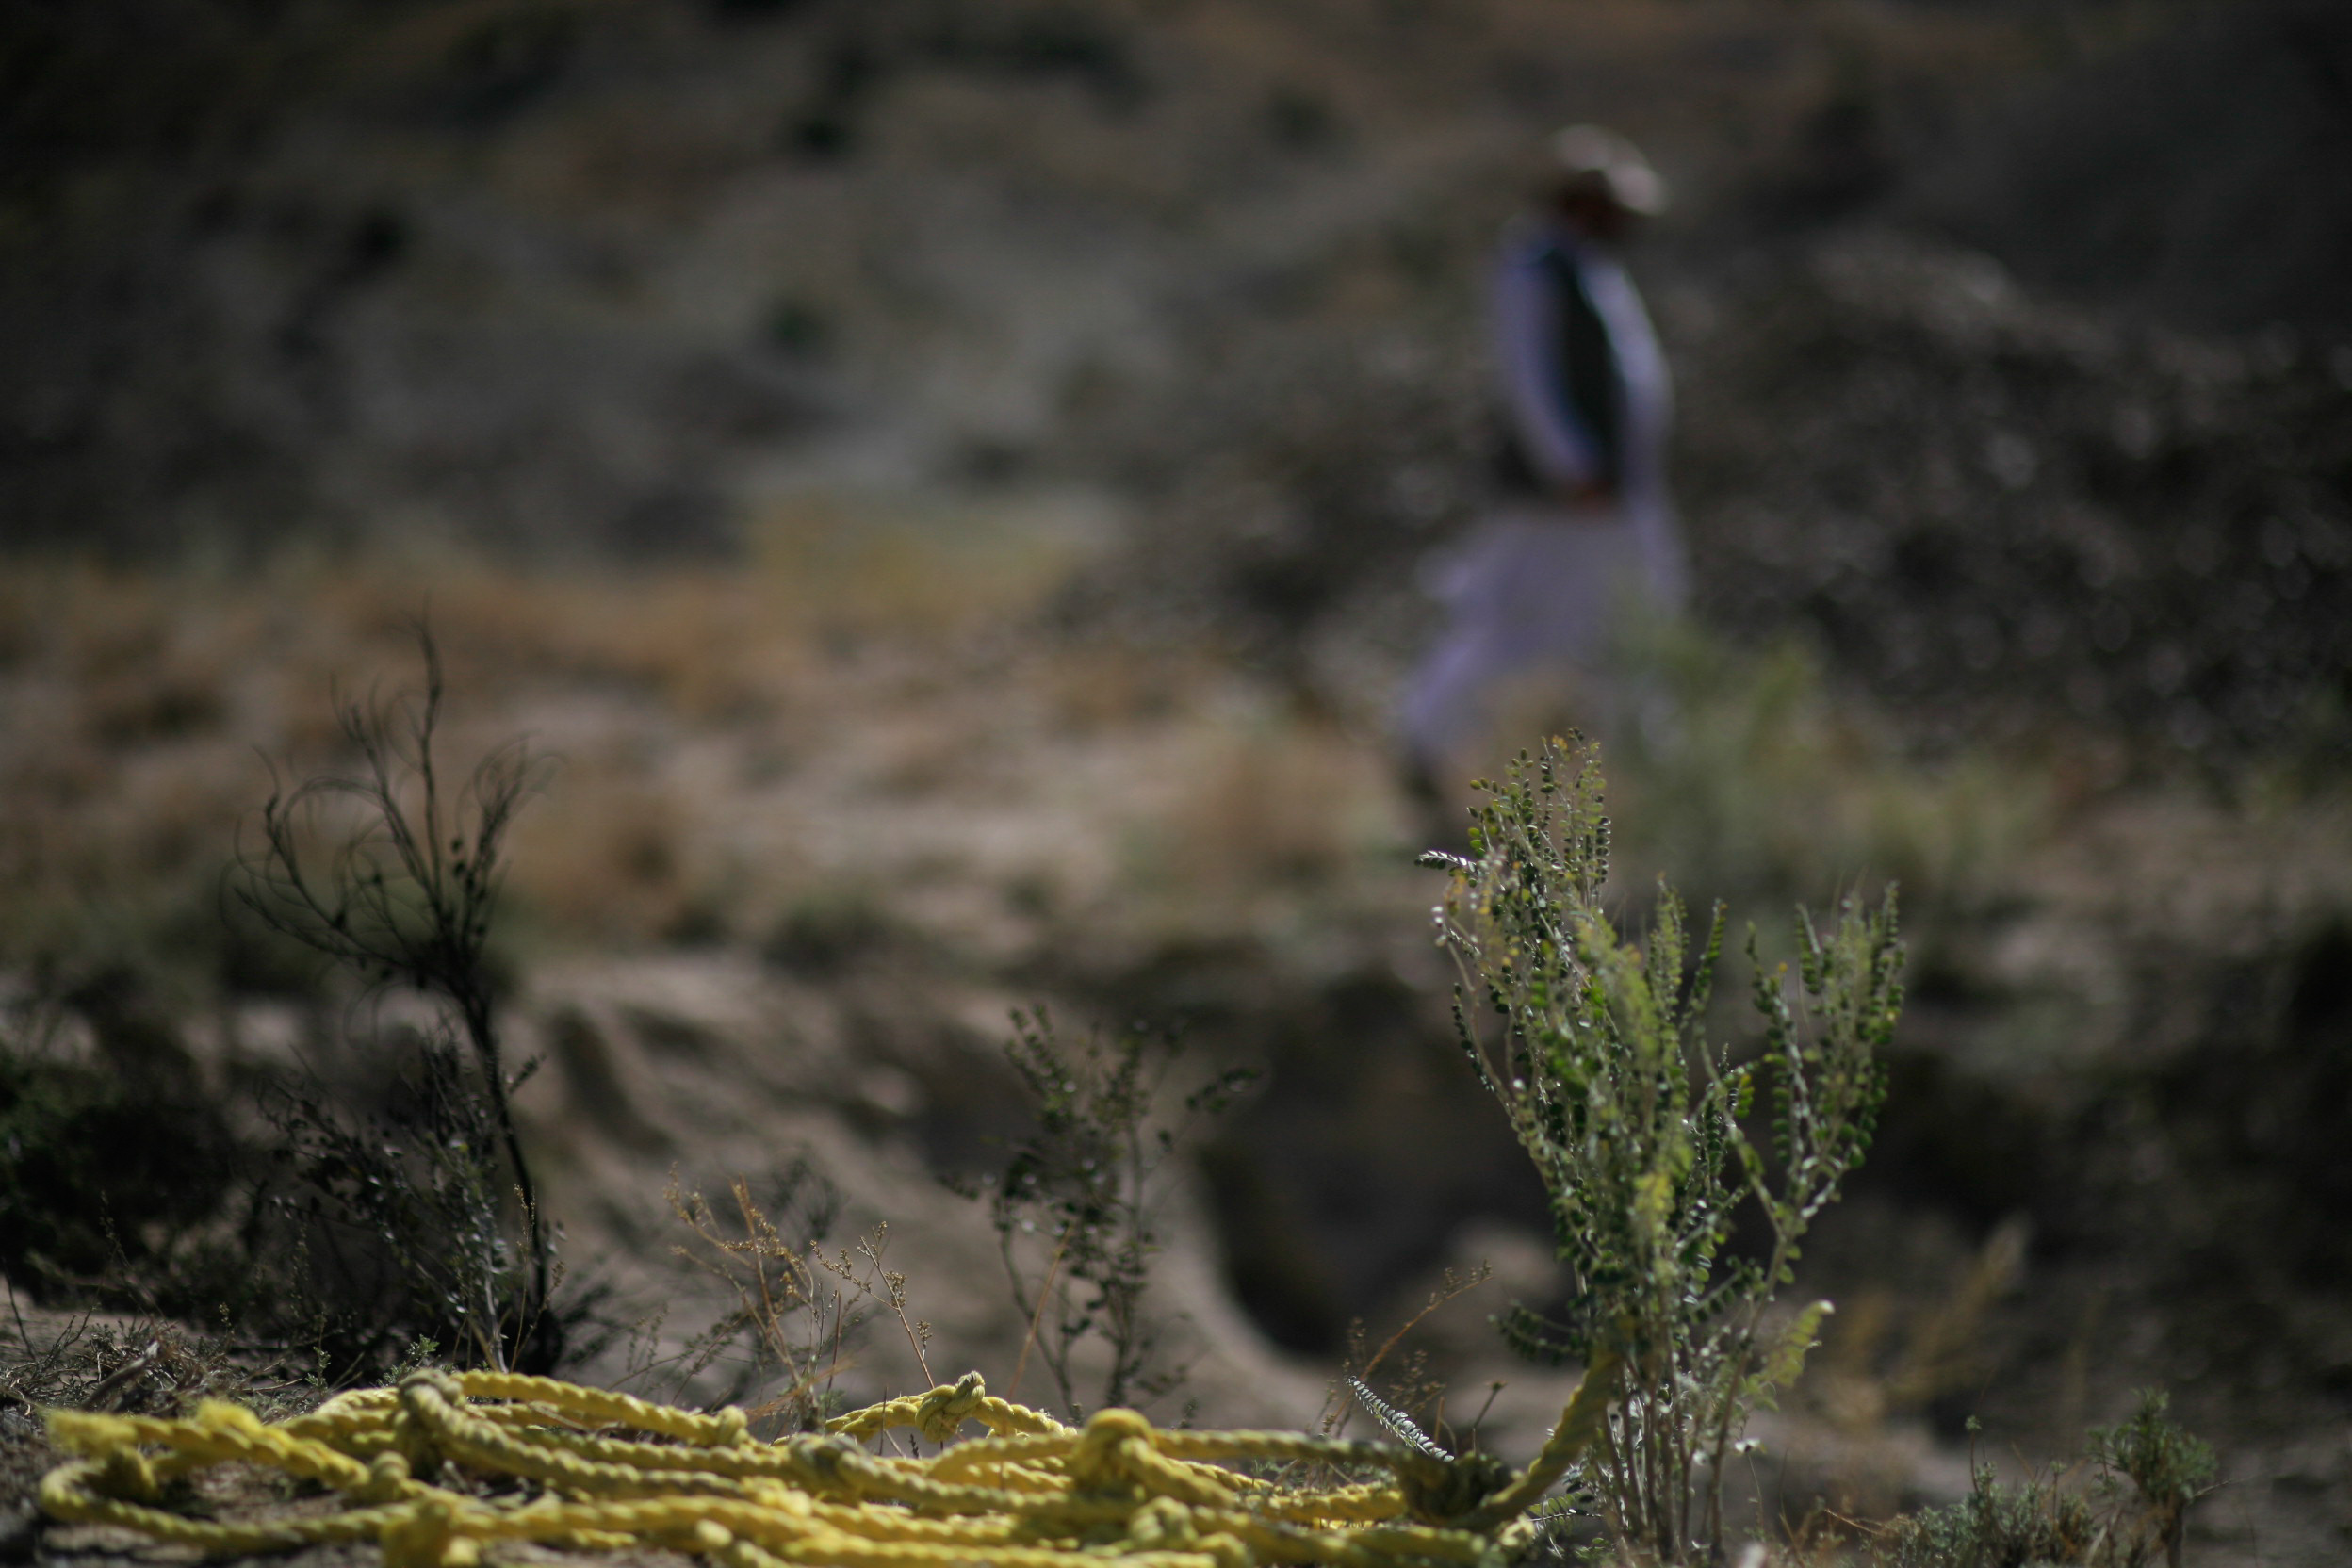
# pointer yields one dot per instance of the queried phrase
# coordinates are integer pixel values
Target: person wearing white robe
(1541, 585)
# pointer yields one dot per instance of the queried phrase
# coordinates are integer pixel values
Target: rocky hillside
(948, 479)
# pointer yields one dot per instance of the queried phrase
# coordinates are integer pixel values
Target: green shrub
(1081, 1189)
(2167, 1469)
(1995, 1525)
(2147, 1474)
(1636, 1124)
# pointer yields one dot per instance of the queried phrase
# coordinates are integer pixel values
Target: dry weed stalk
(1414, 1389)
(799, 1308)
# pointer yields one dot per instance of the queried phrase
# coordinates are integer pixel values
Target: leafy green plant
(1995, 1525)
(2168, 1469)
(1080, 1189)
(396, 875)
(2147, 1473)
(1600, 1059)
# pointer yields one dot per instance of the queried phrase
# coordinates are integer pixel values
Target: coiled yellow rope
(606, 1471)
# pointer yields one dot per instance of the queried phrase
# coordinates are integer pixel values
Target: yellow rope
(603, 1470)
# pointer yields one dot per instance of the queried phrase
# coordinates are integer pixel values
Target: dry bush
(393, 871)
(800, 1310)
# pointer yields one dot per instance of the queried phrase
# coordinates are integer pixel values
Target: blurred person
(1586, 532)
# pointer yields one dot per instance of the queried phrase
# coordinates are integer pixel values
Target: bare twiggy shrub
(394, 872)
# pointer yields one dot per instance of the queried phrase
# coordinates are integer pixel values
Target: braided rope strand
(602, 1471)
